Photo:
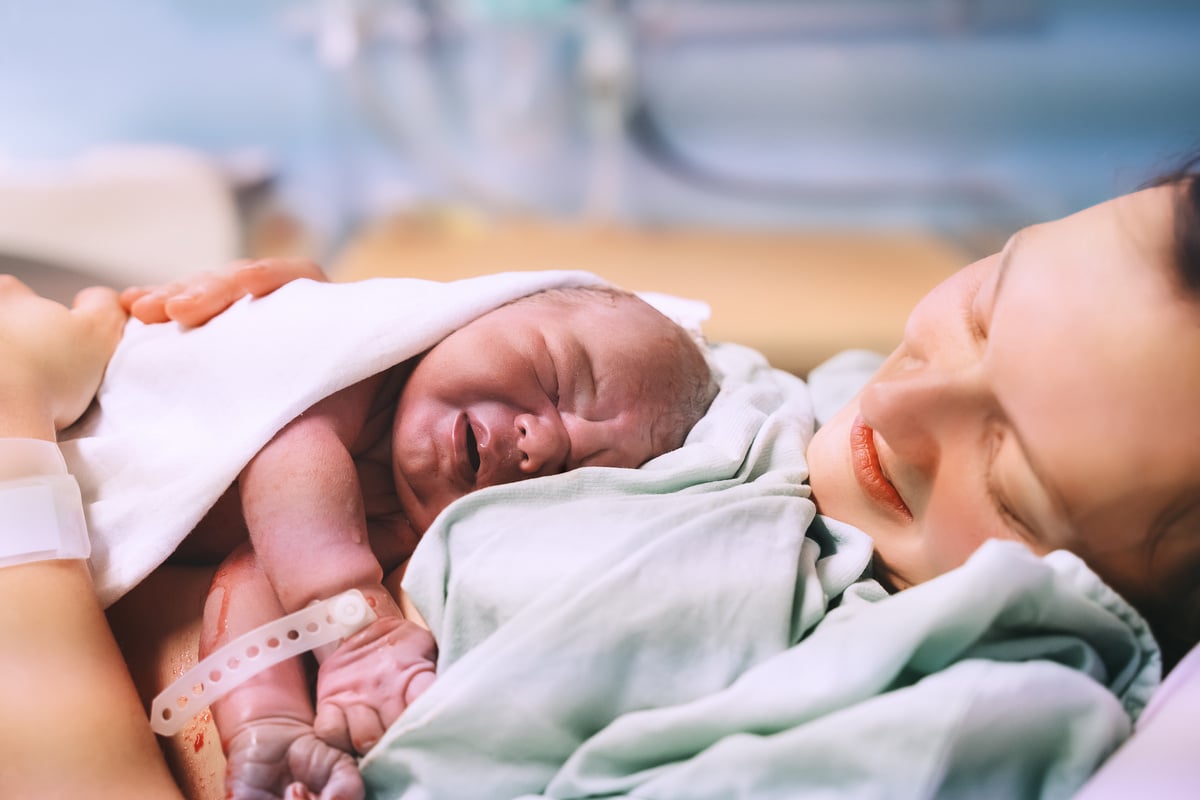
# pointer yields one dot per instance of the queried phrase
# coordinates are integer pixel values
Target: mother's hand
(196, 300)
(52, 357)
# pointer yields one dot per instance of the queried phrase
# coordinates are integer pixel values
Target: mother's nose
(921, 409)
(541, 443)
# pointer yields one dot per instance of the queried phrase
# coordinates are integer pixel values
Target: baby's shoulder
(375, 399)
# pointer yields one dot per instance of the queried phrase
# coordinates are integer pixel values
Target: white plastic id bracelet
(25, 458)
(262, 648)
(41, 511)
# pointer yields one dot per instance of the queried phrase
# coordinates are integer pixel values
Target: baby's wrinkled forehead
(615, 309)
(659, 364)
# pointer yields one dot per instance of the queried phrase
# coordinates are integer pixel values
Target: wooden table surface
(796, 297)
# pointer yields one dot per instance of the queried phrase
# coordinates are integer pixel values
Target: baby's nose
(541, 445)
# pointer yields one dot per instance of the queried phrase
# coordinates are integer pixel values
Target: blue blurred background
(968, 118)
(753, 112)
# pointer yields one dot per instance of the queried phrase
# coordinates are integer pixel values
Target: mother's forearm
(73, 723)
(24, 412)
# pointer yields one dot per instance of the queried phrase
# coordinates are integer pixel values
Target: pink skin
(559, 388)
(370, 679)
(1045, 395)
(555, 392)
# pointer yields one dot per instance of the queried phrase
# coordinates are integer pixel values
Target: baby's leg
(266, 723)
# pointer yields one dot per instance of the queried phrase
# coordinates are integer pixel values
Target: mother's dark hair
(1174, 610)
(1187, 220)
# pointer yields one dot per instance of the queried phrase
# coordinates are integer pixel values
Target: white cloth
(181, 412)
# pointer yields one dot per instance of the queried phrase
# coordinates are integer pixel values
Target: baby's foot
(372, 676)
(275, 757)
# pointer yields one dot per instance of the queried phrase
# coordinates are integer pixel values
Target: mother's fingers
(10, 285)
(132, 295)
(210, 294)
(54, 356)
(265, 275)
(101, 304)
(203, 300)
(195, 300)
(149, 304)
(99, 309)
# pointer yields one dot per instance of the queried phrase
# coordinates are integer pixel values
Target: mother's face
(1048, 394)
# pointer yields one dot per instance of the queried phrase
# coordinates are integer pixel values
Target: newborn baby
(564, 378)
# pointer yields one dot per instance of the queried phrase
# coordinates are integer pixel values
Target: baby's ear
(685, 312)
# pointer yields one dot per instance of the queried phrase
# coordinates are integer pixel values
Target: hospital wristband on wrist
(230, 666)
(41, 511)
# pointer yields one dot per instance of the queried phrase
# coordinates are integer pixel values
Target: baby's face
(530, 389)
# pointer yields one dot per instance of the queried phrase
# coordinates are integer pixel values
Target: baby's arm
(303, 503)
(304, 508)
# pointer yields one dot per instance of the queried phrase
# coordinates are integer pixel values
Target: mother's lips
(867, 471)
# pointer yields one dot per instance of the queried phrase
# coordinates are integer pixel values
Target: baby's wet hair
(686, 378)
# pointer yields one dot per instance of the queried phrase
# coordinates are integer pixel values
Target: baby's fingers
(355, 729)
(331, 727)
(345, 782)
(298, 791)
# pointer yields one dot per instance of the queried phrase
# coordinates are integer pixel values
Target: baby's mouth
(472, 448)
(465, 447)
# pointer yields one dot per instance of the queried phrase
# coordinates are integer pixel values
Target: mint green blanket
(690, 630)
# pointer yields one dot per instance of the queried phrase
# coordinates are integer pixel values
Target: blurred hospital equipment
(743, 149)
(118, 216)
(798, 298)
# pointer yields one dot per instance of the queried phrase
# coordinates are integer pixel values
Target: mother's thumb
(101, 307)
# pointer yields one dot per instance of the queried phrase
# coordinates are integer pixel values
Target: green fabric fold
(692, 630)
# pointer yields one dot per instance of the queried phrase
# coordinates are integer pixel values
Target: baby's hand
(364, 685)
(198, 299)
(274, 757)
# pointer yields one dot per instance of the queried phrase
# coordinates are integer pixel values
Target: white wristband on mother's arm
(41, 511)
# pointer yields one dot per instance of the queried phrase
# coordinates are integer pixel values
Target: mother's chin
(831, 471)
